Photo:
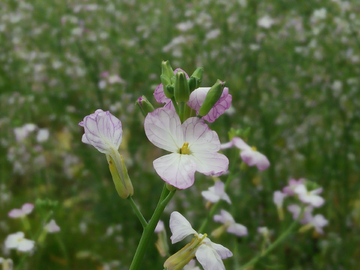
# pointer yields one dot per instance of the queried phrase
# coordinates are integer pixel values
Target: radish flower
(248, 154)
(209, 254)
(193, 145)
(17, 241)
(26, 209)
(216, 193)
(310, 197)
(229, 224)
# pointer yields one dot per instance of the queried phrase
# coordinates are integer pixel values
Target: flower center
(184, 150)
(254, 148)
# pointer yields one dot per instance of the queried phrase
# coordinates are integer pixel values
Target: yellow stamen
(254, 148)
(184, 150)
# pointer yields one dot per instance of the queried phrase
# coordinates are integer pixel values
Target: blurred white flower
(212, 34)
(265, 22)
(320, 13)
(229, 224)
(310, 197)
(216, 193)
(185, 26)
(7, 264)
(42, 135)
(17, 241)
(52, 227)
(159, 227)
(278, 198)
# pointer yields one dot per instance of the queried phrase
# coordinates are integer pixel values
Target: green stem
(63, 249)
(175, 105)
(149, 230)
(137, 212)
(182, 111)
(272, 246)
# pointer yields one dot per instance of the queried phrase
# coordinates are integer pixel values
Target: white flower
(216, 193)
(191, 266)
(278, 198)
(42, 135)
(310, 197)
(209, 254)
(193, 146)
(17, 241)
(265, 22)
(52, 227)
(230, 225)
(159, 227)
(318, 222)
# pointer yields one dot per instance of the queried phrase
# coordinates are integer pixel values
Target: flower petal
(12, 240)
(25, 245)
(237, 229)
(180, 227)
(27, 208)
(176, 169)
(163, 129)
(209, 258)
(197, 98)
(239, 143)
(199, 136)
(210, 196)
(252, 158)
(211, 163)
(226, 145)
(220, 107)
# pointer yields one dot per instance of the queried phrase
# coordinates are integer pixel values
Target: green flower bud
(196, 79)
(211, 98)
(167, 70)
(166, 82)
(181, 90)
(144, 105)
(120, 175)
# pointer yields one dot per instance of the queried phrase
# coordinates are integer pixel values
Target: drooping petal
(237, 229)
(176, 170)
(209, 258)
(180, 227)
(252, 158)
(163, 129)
(15, 213)
(226, 145)
(199, 136)
(220, 249)
(211, 163)
(210, 196)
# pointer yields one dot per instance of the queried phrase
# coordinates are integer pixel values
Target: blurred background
(292, 68)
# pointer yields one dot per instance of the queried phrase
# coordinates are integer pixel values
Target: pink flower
(293, 183)
(52, 227)
(216, 193)
(103, 131)
(318, 222)
(310, 197)
(26, 209)
(231, 226)
(278, 198)
(193, 145)
(248, 154)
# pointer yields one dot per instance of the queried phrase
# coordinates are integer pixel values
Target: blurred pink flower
(216, 193)
(231, 226)
(193, 145)
(248, 154)
(278, 198)
(26, 209)
(310, 197)
(52, 227)
(293, 183)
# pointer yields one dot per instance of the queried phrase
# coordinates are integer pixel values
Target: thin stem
(137, 212)
(63, 249)
(272, 246)
(149, 230)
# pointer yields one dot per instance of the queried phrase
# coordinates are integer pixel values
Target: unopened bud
(144, 105)
(120, 175)
(166, 82)
(167, 70)
(211, 98)
(181, 91)
(196, 79)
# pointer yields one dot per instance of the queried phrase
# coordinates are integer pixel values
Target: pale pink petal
(239, 143)
(176, 170)
(52, 227)
(12, 240)
(27, 208)
(214, 164)
(219, 189)
(295, 210)
(300, 190)
(199, 136)
(163, 129)
(278, 198)
(209, 258)
(316, 200)
(317, 191)
(180, 227)
(15, 213)
(197, 98)
(237, 229)
(159, 227)
(226, 145)
(220, 249)
(251, 158)
(224, 217)
(210, 196)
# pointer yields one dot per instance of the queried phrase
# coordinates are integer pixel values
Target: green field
(292, 68)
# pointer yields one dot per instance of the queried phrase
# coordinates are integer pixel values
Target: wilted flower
(193, 145)
(26, 209)
(104, 131)
(209, 254)
(17, 241)
(229, 224)
(216, 193)
(7, 264)
(248, 154)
